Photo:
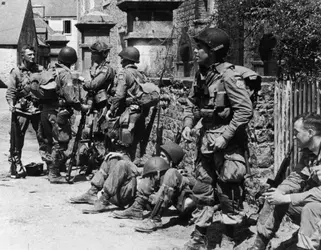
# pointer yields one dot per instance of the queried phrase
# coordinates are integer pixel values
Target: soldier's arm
(188, 116)
(120, 93)
(11, 94)
(105, 76)
(240, 103)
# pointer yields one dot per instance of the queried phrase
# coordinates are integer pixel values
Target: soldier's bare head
(28, 54)
(307, 130)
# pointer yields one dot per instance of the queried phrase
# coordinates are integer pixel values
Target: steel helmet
(174, 151)
(130, 53)
(99, 47)
(217, 39)
(154, 165)
(67, 55)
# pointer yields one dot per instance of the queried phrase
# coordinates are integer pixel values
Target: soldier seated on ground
(117, 177)
(161, 185)
(299, 195)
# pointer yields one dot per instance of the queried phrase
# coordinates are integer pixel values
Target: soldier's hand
(219, 143)
(112, 155)
(186, 134)
(85, 108)
(12, 108)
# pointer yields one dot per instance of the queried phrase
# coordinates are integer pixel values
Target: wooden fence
(290, 100)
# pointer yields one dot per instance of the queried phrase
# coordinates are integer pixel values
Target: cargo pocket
(233, 169)
(208, 139)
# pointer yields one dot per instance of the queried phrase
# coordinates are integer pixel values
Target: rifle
(282, 170)
(13, 143)
(159, 134)
(72, 160)
(144, 142)
(178, 136)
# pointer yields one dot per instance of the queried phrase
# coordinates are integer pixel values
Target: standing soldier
(57, 111)
(131, 119)
(219, 100)
(20, 99)
(102, 74)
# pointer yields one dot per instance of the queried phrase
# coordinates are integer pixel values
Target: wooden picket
(291, 98)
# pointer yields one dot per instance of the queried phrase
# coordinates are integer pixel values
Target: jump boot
(134, 212)
(100, 205)
(198, 240)
(17, 170)
(260, 243)
(90, 197)
(55, 177)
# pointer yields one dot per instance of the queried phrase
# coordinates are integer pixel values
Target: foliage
(296, 25)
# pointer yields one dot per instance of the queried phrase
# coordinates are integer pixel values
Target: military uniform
(117, 177)
(221, 103)
(55, 116)
(18, 95)
(131, 120)
(305, 206)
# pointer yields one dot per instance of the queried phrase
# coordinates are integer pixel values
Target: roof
(41, 25)
(58, 8)
(12, 16)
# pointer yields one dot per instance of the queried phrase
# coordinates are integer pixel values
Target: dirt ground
(35, 215)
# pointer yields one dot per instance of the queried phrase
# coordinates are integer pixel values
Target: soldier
(116, 177)
(56, 113)
(161, 185)
(132, 116)
(102, 74)
(24, 108)
(220, 101)
(98, 97)
(299, 195)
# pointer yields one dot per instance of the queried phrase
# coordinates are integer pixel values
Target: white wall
(8, 60)
(57, 25)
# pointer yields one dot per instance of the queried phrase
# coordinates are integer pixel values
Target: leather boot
(134, 212)
(227, 241)
(260, 243)
(149, 225)
(101, 205)
(55, 177)
(198, 240)
(17, 170)
(90, 197)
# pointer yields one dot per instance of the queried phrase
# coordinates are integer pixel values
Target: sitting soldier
(118, 174)
(161, 186)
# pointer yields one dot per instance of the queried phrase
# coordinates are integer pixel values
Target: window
(67, 26)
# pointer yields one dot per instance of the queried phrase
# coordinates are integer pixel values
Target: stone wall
(261, 126)
(8, 60)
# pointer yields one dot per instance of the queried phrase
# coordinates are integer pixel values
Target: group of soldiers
(218, 110)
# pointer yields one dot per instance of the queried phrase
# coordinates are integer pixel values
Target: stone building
(17, 28)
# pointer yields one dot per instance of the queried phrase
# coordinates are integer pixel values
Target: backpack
(148, 96)
(253, 81)
(43, 85)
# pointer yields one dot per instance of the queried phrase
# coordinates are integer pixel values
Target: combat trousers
(172, 191)
(117, 178)
(307, 216)
(22, 124)
(58, 137)
(223, 170)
